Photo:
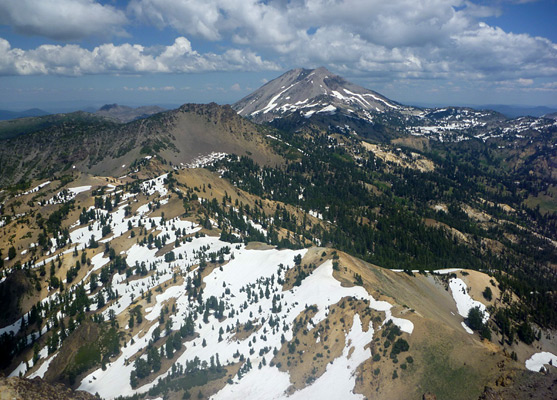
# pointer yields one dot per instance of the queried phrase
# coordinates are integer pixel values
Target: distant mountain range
(127, 114)
(32, 112)
(299, 100)
(519, 111)
(116, 112)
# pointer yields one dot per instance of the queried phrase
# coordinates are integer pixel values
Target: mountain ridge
(345, 321)
(100, 145)
(32, 112)
(125, 114)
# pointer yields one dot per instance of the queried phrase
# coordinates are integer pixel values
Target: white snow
(21, 368)
(115, 381)
(342, 371)
(43, 368)
(539, 360)
(315, 214)
(68, 194)
(36, 188)
(203, 161)
(447, 270)
(253, 268)
(80, 189)
(245, 271)
(255, 225)
(381, 100)
(15, 327)
(338, 95)
(265, 384)
(464, 303)
(272, 103)
(328, 109)
(155, 185)
(269, 383)
(466, 328)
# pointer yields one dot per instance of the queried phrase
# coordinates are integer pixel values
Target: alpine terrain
(313, 240)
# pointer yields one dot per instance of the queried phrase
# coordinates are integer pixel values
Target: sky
(61, 55)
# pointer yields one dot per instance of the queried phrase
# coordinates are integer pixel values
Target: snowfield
(464, 303)
(252, 269)
(540, 360)
(246, 283)
(270, 383)
(68, 194)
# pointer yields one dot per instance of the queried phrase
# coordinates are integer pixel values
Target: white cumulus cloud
(74, 60)
(62, 19)
(399, 38)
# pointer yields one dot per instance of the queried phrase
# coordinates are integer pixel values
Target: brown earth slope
(38, 389)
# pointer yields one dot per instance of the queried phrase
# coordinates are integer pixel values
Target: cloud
(73, 60)
(150, 89)
(491, 51)
(398, 40)
(519, 83)
(244, 20)
(62, 19)
(236, 87)
(277, 23)
(401, 39)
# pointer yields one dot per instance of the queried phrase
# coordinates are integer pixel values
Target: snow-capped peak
(311, 92)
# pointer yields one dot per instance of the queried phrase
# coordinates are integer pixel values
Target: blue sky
(61, 55)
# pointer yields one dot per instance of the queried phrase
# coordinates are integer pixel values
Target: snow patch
(539, 360)
(464, 303)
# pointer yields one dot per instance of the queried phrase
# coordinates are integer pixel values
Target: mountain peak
(108, 107)
(126, 113)
(309, 92)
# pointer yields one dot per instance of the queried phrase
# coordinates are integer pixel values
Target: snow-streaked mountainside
(177, 281)
(241, 310)
(315, 94)
(200, 309)
(309, 92)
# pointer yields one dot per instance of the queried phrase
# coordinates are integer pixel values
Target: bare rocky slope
(92, 144)
(37, 389)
